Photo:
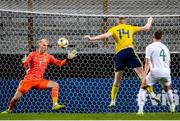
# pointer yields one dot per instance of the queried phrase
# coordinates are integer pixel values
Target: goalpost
(85, 83)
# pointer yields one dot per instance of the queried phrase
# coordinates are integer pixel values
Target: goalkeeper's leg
(54, 95)
(23, 88)
(13, 102)
(115, 88)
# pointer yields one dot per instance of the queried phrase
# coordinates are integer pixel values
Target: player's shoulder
(114, 27)
(121, 26)
(150, 48)
(33, 53)
(163, 45)
(150, 45)
(126, 25)
(132, 27)
(49, 55)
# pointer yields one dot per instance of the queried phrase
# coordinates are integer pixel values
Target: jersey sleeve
(148, 52)
(28, 59)
(135, 28)
(111, 31)
(57, 62)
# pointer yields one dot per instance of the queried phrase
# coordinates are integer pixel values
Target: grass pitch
(90, 116)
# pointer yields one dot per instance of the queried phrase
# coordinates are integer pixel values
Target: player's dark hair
(158, 34)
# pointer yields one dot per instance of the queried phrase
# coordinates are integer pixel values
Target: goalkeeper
(38, 62)
(125, 53)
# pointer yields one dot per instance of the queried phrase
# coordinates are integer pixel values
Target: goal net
(85, 83)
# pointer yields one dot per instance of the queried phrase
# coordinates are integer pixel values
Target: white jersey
(159, 56)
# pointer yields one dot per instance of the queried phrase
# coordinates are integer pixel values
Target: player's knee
(116, 83)
(18, 95)
(56, 84)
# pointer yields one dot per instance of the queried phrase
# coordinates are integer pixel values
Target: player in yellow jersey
(125, 56)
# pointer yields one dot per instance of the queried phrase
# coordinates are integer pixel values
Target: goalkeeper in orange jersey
(125, 55)
(38, 62)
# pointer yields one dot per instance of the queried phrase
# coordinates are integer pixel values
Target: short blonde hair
(122, 19)
(42, 40)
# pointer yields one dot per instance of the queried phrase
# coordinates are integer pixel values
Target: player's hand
(72, 54)
(87, 37)
(150, 19)
(144, 83)
(24, 58)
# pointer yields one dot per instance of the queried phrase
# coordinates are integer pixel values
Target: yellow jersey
(123, 36)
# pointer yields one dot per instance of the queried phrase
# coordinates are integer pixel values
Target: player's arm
(26, 60)
(146, 66)
(57, 62)
(147, 62)
(147, 26)
(98, 37)
(71, 54)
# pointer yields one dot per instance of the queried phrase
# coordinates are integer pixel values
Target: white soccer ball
(62, 42)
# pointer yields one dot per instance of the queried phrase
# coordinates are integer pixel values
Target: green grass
(90, 116)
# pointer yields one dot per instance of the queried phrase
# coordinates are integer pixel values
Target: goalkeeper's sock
(54, 95)
(12, 104)
(114, 92)
(141, 99)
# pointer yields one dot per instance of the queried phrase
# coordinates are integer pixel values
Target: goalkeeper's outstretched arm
(60, 63)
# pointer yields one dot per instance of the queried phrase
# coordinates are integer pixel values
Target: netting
(85, 83)
(100, 7)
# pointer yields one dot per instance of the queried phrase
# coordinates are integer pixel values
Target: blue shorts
(126, 58)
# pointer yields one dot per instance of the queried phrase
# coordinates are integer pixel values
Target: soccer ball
(62, 42)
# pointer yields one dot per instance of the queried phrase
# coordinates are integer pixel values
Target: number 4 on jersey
(162, 54)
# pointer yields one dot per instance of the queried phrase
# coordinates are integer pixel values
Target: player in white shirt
(157, 59)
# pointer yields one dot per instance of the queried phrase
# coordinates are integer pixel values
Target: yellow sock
(54, 95)
(54, 100)
(114, 92)
(150, 89)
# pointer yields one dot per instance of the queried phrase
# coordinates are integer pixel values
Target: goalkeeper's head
(42, 45)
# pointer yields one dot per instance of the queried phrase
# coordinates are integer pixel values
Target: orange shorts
(26, 85)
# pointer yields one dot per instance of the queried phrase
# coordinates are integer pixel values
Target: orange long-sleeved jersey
(38, 64)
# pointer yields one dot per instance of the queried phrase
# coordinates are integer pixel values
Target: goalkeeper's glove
(24, 58)
(72, 54)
